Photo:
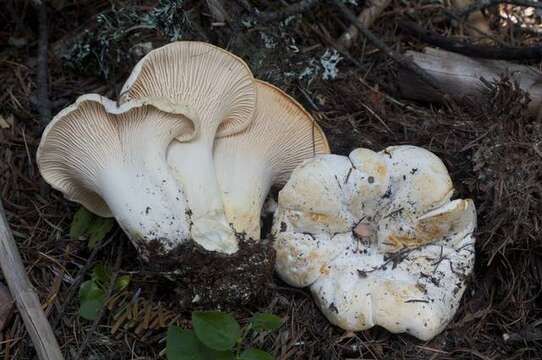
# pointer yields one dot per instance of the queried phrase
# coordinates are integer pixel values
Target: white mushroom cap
(281, 136)
(112, 160)
(416, 290)
(417, 182)
(358, 277)
(220, 88)
(324, 197)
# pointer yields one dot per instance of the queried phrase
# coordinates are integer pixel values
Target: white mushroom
(377, 239)
(112, 160)
(281, 136)
(220, 88)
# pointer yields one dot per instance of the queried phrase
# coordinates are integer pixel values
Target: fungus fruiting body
(112, 160)
(220, 89)
(281, 136)
(377, 238)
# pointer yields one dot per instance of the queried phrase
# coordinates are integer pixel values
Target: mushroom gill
(112, 160)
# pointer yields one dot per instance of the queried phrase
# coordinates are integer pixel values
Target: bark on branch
(25, 297)
(465, 48)
(461, 77)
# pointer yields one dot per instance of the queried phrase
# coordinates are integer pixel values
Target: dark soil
(492, 149)
(206, 279)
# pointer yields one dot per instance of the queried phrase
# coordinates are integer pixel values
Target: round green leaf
(90, 290)
(92, 299)
(184, 345)
(255, 354)
(80, 223)
(217, 330)
(97, 230)
(89, 309)
(265, 321)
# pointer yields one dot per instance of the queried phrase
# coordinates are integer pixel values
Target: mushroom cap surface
(281, 136)
(377, 239)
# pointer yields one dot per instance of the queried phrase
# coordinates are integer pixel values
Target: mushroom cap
(215, 83)
(377, 239)
(101, 155)
(85, 126)
(281, 136)
(416, 290)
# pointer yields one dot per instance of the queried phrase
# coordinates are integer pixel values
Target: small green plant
(92, 293)
(218, 336)
(92, 227)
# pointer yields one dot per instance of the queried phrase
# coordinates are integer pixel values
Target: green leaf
(80, 223)
(89, 309)
(122, 282)
(92, 299)
(184, 345)
(97, 231)
(217, 330)
(90, 290)
(265, 321)
(101, 275)
(255, 354)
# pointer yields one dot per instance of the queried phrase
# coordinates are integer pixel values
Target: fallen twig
(400, 59)
(463, 75)
(367, 17)
(294, 9)
(25, 297)
(461, 47)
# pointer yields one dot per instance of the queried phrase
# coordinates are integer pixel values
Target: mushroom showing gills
(377, 239)
(281, 136)
(220, 88)
(112, 160)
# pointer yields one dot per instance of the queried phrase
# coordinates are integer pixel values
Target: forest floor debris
(492, 149)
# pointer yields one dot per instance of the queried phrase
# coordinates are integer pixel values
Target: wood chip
(6, 121)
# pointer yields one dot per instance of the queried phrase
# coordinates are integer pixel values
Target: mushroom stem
(281, 136)
(147, 207)
(193, 166)
(245, 191)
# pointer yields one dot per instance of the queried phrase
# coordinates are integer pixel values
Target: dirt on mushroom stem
(213, 280)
